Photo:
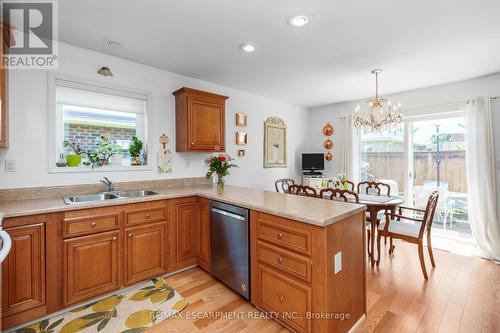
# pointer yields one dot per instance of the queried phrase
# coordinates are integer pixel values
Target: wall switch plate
(338, 262)
(10, 165)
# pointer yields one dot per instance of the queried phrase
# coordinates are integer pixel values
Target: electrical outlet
(338, 262)
(10, 165)
(188, 163)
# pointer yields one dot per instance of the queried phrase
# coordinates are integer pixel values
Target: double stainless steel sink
(107, 196)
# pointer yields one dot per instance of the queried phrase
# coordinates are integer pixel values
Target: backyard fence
(385, 165)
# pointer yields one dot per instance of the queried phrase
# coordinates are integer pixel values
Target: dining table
(374, 204)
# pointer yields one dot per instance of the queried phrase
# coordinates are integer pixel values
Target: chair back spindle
(281, 185)
(302, 190)
(377, 188)
(337, 194)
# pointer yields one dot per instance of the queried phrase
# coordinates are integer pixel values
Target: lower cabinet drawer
(90, 225)
(286, 261)
(147, 215)
(288, 299)
(91, 266)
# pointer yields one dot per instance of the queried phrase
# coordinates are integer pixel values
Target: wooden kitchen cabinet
(23, 271)
(145, 252)
(199, 121)
(182, 233)
(203, 233)
(91, 266)
(6, 40)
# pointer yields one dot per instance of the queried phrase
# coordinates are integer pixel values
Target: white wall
(439, 95)
(28, 124)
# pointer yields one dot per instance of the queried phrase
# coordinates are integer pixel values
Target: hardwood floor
(461, 295)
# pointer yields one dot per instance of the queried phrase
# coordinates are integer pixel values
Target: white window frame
(100, 87)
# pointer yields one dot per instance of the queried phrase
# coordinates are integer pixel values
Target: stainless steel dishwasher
(230, 246)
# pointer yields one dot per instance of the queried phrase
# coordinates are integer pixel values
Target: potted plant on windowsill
(75, 159)
(134, 149)
(219, 165)
(106, 149)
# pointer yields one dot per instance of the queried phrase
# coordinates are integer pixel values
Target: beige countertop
(314, 211)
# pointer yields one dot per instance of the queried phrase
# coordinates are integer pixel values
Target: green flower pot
(74, 160)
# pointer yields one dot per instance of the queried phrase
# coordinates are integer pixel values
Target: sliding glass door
(383, 158)
(427, 154)
(438, 164)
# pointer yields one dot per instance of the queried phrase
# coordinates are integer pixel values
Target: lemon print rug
(130, 312)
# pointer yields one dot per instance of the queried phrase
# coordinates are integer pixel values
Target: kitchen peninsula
(307, 254)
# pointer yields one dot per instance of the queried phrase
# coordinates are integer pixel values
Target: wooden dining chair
(337, 194)
(350, 185)
(346, 195)
(393, 227)
(281, 185)
(302, 190)
(376, 188)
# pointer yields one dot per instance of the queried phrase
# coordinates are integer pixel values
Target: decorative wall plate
(241, 138)
(328, 156)
(165, 156)
(328, 129)
(241, 119)
(328, 144)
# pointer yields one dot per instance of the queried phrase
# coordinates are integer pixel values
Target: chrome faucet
(109, 184)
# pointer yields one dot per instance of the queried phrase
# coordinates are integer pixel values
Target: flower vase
(220, 182)
(346, 185)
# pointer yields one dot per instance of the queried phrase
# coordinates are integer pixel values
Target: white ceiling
(418, 43)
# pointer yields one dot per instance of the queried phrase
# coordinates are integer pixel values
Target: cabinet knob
(282, 299)
(280, 235)
(93, 224)
(148, 216)
(192, 143)
(280, 260)
(114, 238)
(130, 235)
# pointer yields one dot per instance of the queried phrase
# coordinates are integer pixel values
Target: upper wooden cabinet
(6, 40)
(199, 121)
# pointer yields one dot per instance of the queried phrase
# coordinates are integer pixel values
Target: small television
(313, 162)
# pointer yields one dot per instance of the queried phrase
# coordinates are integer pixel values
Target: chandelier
(381, 115)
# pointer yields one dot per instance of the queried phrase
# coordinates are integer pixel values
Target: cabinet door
(182, 229)
(4, 88)
(145, 252)
(206, 128)
(203, 241)
(23, 271)
(91, 266)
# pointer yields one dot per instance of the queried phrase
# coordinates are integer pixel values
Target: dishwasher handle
(228, 214)
(6, 244)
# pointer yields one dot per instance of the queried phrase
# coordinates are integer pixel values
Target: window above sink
(85, 114)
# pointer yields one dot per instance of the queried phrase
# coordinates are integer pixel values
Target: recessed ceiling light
(247, 47)
(299, 20)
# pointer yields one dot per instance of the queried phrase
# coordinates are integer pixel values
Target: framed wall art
(274, 143)
(241, 119)
(241, 138)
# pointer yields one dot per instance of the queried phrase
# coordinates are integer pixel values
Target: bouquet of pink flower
(219, 164)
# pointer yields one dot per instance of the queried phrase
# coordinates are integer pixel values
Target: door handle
(223, 212)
